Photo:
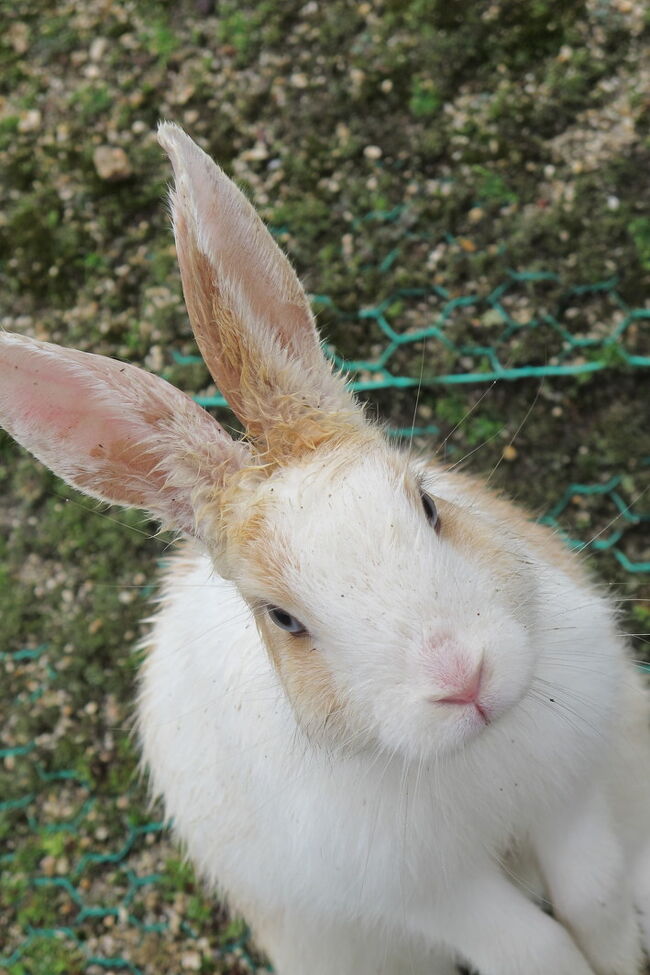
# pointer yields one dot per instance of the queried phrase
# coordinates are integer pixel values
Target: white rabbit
(374, 690)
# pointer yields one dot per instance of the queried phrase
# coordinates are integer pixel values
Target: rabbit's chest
(260, 806)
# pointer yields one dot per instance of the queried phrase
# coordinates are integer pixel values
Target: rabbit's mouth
(463, 705)
(470, 718)
(476, 709)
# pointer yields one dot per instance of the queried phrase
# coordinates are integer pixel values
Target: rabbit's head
(392, 595)
(394, 613)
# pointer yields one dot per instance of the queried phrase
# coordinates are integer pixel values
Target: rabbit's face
(392, 613)
(395, 600)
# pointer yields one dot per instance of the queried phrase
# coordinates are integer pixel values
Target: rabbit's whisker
(521, 426)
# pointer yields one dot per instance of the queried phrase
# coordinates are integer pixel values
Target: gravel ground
(478, 171)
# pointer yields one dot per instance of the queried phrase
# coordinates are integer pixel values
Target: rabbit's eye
(430, 511)
(286, 621)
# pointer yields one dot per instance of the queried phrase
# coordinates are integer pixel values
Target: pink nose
(464, 688)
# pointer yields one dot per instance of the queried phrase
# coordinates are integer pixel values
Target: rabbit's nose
(458, 677)
(464, 687)
(454, 668)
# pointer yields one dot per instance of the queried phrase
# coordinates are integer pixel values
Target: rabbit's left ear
(250, 315)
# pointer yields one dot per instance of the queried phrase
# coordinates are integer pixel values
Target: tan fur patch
(474, 538)
(302, 432)
(305, 677)
(216, 332)
(281, 420)
(543, 541)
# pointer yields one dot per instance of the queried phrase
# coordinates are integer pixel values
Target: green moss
(48, 956)
(235, 930)
(91, 100)
(492, 187)
(162, 41)
(425, 100)
(123, 767)
(199, 909)
(246, 28)
(56, 35)
(639, 230)
(641, 615)
(8, 129)
(178, 875)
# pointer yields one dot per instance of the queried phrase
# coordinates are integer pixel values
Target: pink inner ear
(60, 412)
(211, 213)
(111, 429)
(242, 250)
(54, 404)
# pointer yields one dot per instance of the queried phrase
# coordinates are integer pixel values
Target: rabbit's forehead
(348, 531)
(331, 501)
(331, 518)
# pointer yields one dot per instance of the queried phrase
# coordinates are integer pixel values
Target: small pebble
(191, 961)
(18, 36)
(111, 163)
(30, 121)
(299, 80)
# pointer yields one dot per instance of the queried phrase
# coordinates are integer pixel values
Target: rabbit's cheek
(475, 541)
(305, 677)
(498, 514)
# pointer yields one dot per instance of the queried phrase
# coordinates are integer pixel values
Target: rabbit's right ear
(250, 315)
(114, 431)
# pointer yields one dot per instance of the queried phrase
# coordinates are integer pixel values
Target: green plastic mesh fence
(96, 914)
(482, 362)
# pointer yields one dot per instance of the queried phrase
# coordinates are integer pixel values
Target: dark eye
(286, 621)
(430, 510)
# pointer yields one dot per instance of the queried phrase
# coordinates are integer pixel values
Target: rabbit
(374, 691)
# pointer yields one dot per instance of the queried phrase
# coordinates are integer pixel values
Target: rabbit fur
(391, 718)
